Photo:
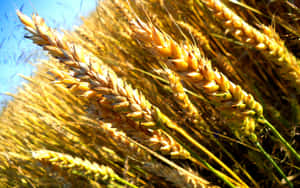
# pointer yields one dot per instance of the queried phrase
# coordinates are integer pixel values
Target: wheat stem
(278, 135)
(165, 122)
(274, 163)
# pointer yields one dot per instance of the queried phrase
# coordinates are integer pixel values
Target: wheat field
(159, 93)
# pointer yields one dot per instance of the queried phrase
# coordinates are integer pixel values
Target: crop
(158, 93)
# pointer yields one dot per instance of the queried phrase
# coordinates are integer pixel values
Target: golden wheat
(99, 82)
(286, 63)
(80, 167)
(197, 70)
(131, 89)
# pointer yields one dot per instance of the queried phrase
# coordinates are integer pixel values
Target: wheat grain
(182, 98)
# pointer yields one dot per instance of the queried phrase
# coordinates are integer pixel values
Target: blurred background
(18, 54)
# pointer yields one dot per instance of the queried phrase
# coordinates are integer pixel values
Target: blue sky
(16, 53)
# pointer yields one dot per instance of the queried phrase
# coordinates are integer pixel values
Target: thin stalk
(273, 163)
(233, 159)
(121, 180)
(196, 159)
(165, 122)
(218, 173)
(283, 141)
(163, 159)
(211, 136)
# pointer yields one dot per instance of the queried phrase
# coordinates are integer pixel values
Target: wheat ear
(192, 111)
(86, 69)
(114, 101)
(193, 67)
(181, 97)
(287, 65)
(80, 167)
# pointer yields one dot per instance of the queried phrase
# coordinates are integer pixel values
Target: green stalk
(222, 176)
(121, 180)
(164, 122)
(273, 163)
(276, 133)
(213, 170)
(210, 134)
(233, 159)
(163, 159)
